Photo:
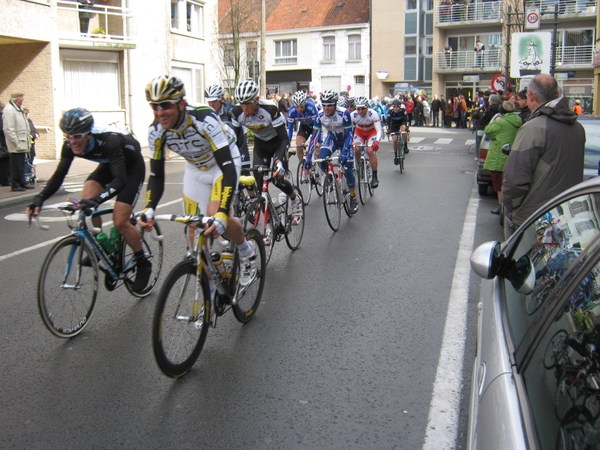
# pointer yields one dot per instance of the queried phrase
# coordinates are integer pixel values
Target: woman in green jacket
(501, 130)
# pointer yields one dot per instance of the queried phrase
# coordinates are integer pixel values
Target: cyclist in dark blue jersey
(305, 113)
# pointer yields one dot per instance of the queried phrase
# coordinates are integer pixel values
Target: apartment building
(101, 58)
(409, 40)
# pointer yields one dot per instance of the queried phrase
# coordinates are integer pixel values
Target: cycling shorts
(395, 125)
(305, 130)
(136, 174)
(203, 186)
(365, 136)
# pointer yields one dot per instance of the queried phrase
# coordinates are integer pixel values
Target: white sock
(245, 249)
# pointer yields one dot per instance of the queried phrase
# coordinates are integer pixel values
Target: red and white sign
(532, 18)
(499, 83)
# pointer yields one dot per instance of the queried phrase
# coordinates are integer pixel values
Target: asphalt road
(342, 354)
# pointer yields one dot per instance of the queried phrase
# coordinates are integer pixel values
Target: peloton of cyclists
(336, 121)
(305, 113)
(121, 172)
(270, 137)
(367, 131)
(212, 163)
(397, 119)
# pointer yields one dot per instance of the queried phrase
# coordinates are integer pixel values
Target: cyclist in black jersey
(396, 121)
(120, 173)
(270, 136)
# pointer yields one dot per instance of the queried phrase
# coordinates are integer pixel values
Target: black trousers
(17, 161)
(5, 171)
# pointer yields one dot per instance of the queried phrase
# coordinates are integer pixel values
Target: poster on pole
(531, 53)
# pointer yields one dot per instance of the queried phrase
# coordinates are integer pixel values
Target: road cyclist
(120, 173)
(336, 122)
(305, 114)
(270, 138)
(397, 125)
(367, 131)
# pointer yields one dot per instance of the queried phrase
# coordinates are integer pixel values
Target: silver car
(536, 376)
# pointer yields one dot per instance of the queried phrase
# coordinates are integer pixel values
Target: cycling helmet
(341, 102)
(350, 102)
(76, 121)
(299, 98)
(165, 88)
(214, 92)
(362, 102)
(329, 96)
(246, 91)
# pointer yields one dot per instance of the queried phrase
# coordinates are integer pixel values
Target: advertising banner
(531, 53)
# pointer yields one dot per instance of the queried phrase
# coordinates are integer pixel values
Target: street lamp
(382, 74)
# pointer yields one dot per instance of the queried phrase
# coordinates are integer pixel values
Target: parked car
(592, 155)
(536, 375)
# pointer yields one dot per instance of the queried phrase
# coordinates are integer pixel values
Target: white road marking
(443, 141)
(415, 139)
(444, 410)
(52, 241)
(470, 142)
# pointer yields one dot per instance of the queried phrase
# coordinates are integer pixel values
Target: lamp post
(263, 78)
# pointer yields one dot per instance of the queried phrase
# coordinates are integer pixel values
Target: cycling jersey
(204, 142)
(368, 128)
(396, 118)
(121, 166)
(307, 117)
(227, 118)
(263, 123)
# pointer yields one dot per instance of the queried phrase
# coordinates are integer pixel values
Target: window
(410, 45)
(252, 51)
(329, 48)
(286, 52)
(228, 55)
(411, 4)
(193, 81)
(187, 16)
(359, 79)
(354, 47)
(410, 23)
(428, 45)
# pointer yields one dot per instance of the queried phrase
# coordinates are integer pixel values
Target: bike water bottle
(218, 262)
(227, 264)
(105, 242)
(115, 237)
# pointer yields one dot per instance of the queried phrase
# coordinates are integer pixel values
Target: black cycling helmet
(76, 121)
(165, 88)
(350, 102)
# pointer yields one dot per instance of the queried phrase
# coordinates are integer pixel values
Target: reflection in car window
(553, 243)
(563, 377)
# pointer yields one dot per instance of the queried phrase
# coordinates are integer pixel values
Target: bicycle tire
(154, 252)
(569, 402)
(293, 233)
(362, 182)
(369, 172)
(555, 349)
(248, 297)
(289, 176)
(304, 183)
(401, 157)
(318, 180)
(345, 192)
(67, 311)
(255, 219)
(181, 319)
(331, 203)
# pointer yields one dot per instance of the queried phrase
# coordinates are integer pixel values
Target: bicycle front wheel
(294, 225)
(362, 181)
(332, 203)
(401, 157)
(317, 180)
(249, 294)
(153, 248)
(67, 289)
(304, 183)
(369, 177)
(259, 216)
(181, 319)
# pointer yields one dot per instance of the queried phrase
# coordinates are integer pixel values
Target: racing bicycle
(400, 154)
(362, 166)
(308, 179)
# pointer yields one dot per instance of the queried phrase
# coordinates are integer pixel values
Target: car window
(553, 243)
(592, 144)
(563, 376)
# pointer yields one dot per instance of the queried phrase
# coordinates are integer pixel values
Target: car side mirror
(485, 260)
(506, 149)
(522, 275)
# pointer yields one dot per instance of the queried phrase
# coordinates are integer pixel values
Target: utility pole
(554, 42)
(519, 21)
(263, 79)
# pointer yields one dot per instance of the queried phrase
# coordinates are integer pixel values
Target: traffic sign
(498, 83)
(532, 18)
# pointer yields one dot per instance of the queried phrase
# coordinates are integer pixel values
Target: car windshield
(553, 243)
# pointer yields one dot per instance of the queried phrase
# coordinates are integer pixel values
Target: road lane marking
(443, 141)
(52, 241)
(444, 410)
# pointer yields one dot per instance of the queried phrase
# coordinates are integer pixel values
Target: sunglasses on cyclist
(328, 104)
(361, 108)
(246, 103)
(165, 106)
(75, 137)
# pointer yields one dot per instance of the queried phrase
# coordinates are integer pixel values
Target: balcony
(576, 57)
(477, 13)
(468, 61)
(566, 8)
(109, 26)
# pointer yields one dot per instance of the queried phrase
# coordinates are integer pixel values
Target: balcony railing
(461, 61)
(113, 23)
(486, 12)
(577, 56)
(565, 7)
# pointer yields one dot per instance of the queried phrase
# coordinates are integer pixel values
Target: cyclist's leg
(93, 186)
(373, 160)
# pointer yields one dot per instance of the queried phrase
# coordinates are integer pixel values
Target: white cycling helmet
(246, 91)
(341, 102)
(214, 92)
(165, 88)
(299, 98)
(329, 96)
(362, 102)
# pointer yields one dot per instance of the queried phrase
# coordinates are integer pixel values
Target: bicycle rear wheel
(317, 180)
(369, 177)
(345, 197)
(401, 156)
(67, 290)
(362, 181)
(332, 203)
(255, 218)
(294, 229)
(153, 248)
(247, 299)
(304, 183)
(181, 319)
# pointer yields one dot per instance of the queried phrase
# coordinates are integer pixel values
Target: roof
(299, 14)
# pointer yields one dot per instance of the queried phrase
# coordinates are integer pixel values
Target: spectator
(4, 155)
(436, 106)
(448, 114)
(418, 112)
(501, 130)
(16, 132)
(284, 105)
(491, 110)
(84, 15)
(462, 108)
(522, 103)
(577, 109)
(33, 132)
(547, 155)
(479, 48)
(409, 105)
(448, 54)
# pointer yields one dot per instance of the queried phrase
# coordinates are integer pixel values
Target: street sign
(532, 18)
(498, 83)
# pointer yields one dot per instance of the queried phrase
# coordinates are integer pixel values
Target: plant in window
(98, 32)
